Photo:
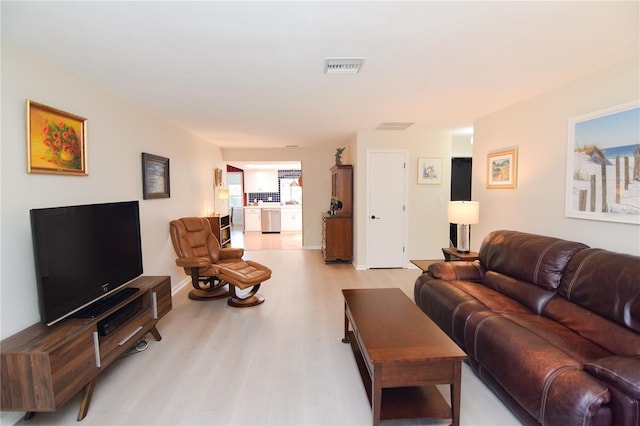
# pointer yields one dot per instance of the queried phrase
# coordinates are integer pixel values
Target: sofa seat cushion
(546, 381)
(560, 337)
(450, 303)
(606, 333)
(621, 371)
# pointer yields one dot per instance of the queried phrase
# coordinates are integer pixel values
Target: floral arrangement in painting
(62, 143)
(429, 172)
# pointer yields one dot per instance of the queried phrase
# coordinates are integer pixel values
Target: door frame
(405, 197)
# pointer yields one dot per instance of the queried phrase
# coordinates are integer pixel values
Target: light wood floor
(258, 241)
(279, 363)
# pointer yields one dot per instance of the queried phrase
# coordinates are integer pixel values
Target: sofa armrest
(231, 253)
(193, 262)
(466, 271)
(621, 371)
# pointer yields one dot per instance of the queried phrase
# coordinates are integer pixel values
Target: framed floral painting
(56, 141)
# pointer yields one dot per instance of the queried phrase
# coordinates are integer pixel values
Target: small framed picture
(429, 171)
(56, 141)
(502, 168)
(155, 177)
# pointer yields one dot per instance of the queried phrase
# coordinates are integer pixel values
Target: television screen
(83, 253)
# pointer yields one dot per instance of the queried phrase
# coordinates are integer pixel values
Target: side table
(424, 264)
(451, 254)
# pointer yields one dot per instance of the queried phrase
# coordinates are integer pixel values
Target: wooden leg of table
(155, 333)
(447, 256)
(376, 394)
(455, 394)
(346, 326)
(86, 399)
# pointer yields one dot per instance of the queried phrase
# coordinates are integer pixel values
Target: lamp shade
(223, 194)
(463, 212)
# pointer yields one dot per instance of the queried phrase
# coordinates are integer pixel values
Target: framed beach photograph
(430, 171)
(603, 165)
(502, 169)
(155, 177)
(56, 141)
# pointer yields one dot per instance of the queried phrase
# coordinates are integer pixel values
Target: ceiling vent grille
(393, 126)
(342, 65)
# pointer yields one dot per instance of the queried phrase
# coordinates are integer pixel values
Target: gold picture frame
(156, 182)
(56, 141)
(502, 169)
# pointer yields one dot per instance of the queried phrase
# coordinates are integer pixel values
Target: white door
(386, 215)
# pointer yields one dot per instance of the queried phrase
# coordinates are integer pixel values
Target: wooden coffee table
(401, 355)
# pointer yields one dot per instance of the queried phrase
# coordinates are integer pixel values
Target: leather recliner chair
(212, 268)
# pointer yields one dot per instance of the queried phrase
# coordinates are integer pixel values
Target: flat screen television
(84, 254)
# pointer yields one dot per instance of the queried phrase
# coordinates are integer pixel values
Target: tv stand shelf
(42, 367)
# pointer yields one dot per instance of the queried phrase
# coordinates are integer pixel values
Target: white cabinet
(291, 219)
(252, 219)
(261, 181)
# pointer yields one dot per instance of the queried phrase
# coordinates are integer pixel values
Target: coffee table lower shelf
(403, 403)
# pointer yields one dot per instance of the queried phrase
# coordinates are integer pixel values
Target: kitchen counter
(290, 217)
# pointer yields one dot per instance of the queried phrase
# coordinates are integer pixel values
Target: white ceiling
(250, 74)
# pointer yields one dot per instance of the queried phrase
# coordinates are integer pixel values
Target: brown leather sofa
(552, 326)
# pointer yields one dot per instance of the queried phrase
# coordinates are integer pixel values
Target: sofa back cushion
(607, 283)
(533, 297)
(537, 259)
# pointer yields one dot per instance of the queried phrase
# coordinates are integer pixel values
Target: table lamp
(463, 213)
(223, 194)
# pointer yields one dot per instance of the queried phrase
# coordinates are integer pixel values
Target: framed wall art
(430, 171)
(56, 141)
(502, 169)
(155, 177)
(603, 165)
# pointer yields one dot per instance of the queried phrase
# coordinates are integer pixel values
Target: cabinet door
(73, 365)
(338, 239)
(252, 220)
(161, 299)
(291, 220)
(261, 181)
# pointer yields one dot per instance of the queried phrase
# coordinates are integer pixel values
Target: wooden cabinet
(337, 230)
(342, 186)
(221, 228)
(337, 237)
(252, 219)
(44, 367)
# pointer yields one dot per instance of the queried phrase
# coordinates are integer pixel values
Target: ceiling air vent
(393, 126)
(342, 65)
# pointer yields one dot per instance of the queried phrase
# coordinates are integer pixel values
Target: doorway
(234, 184)
(460, 188)
(258, 185)
(386, 211)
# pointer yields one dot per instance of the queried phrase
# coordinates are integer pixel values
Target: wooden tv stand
(42, 367)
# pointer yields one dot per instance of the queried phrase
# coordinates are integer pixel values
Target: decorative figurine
(339, 155)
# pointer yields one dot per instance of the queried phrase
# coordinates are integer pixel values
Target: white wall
(427, 204)
(118, 133)
(538, 126)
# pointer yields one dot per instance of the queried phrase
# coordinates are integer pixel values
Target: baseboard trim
(180, 285)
